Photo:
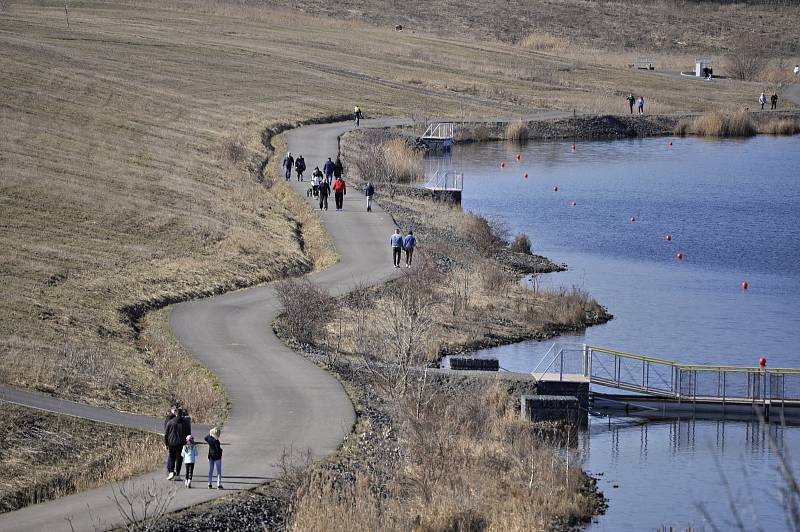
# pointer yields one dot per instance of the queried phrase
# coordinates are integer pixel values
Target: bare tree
(746, 60)
(66, 11)
(142, 504)
(307, 307)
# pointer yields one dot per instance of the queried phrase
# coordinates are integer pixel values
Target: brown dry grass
(467, 464)
(719, 124)
(46, 456)
(782, 127)
(517, 130)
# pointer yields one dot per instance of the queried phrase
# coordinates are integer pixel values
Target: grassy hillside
(125, 141)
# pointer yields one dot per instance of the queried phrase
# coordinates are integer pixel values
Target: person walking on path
(338, 168)
(630, 99)
(640, 105)
(300, 167)
(324, 190)
(288, 164)
(339, 191)
(328, 168)
(409, 243)
(797, 70)
(214, 457)
(773, 100)
(762, 100)
(316, 177)
(175, 433)
(369, 191)
(357, 115)
(189, 455)
(396, 241)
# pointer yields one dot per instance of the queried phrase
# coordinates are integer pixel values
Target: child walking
(214, 457)
(189, 454)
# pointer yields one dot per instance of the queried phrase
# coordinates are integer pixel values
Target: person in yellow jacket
(357, 114)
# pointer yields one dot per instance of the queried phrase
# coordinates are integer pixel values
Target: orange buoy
(555, 189)
(679, 256)
(518, 157)
(525, 175)
(574, 203)
(502, 165)
(762, 362)
(668, 238)
(633, 219)
(745, 285)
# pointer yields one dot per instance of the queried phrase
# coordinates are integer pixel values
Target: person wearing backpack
(369, 191)
(300, 167)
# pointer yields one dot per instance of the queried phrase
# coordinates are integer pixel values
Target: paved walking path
(279, 399)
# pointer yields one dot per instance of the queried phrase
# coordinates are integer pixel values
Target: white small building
(702, 67)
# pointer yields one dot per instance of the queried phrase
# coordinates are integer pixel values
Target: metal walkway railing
(666, 378)
(445, 180)
(439, 131)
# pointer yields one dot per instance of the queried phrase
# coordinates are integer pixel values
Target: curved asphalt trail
(279, 399)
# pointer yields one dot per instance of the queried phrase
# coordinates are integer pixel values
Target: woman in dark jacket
(214, 457)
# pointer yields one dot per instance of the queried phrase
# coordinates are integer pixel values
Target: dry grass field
(125, 141)
(46, 456)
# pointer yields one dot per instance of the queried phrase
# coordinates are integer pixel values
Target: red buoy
(762, 362)
(525, 175)
(574, 203)
(745, 285)
(668, 238)
(574, 147)
(670, 143)
(633, 219)
(555, 189)
(679, 256)
(502, 165)
(518, 157)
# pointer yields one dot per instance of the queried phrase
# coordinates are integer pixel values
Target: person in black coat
(338, 168)
(324, 191)
(175, 432)
(300, 167)
(214, 457)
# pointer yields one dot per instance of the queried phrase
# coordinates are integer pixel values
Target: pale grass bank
(47, 456)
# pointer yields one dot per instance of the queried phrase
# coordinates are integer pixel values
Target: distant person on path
(773, 100)
(797, 70)
(369, 191)
(396, 241)
(630, 99)
(189, 455)
(288, 164)
(324, 191)
(316, 178)
(339, 191)
(338, 168)
(300, 167)
(357, 115)
(409, 243)
(328, 168)
(762, 100)
(175, 433)
(214, 457)
(640, 105)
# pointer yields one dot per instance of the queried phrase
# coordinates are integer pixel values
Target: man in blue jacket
(328, 168)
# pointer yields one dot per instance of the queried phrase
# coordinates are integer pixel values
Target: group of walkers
(182, 450)
(290, 163)
(329, 180)
(773, 100)
(639, 102)
(402, 243)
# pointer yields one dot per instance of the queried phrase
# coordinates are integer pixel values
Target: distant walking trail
(279, 399)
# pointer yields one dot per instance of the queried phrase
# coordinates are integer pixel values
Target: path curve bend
(278, 399)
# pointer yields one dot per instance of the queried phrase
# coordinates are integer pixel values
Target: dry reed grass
(517, 131)
(719, 124)
(467, 464)
(545, 42)
(46, 456)
(782, 127)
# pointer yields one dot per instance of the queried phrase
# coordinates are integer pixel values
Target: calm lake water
(733, 210)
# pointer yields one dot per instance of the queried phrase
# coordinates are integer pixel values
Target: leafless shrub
(459, 291)
(494, 279)
(307, 307)
(141, 504)
(521, 244)
(234, 150)
(485, 234)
